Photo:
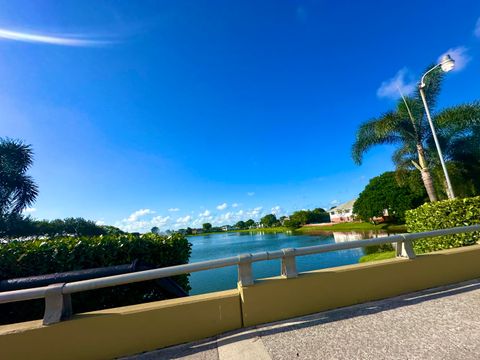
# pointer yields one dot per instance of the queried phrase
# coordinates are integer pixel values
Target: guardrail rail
(58, 296)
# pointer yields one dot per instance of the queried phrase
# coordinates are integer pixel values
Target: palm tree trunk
(426, 176)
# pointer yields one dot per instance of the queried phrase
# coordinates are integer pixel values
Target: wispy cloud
(234, 205)
(139, 213)
(460, 55)
(174, 209)
(476, 31)
(402, 81)
(184, 220)
(206, 213)
(222, 206)
(78, 40)
(251, 193)
(29, 210)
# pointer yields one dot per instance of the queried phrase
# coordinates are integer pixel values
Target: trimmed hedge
(443, 215)
(37, 257)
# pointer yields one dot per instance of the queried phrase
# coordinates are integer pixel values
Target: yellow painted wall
(122, 331)
(133, 329)
(276, 298)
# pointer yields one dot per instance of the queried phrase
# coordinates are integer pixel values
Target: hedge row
(37, 257)
(443, 215)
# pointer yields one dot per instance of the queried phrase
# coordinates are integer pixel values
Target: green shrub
(443, 215)
(373, 249)
(37, 257)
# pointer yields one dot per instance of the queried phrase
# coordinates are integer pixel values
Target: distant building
(342, 213)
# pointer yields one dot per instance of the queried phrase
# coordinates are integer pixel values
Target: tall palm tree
(17, 190)
(406, 127)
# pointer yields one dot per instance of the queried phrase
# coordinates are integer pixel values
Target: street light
(446, 64)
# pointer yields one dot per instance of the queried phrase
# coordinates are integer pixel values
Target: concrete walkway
(442, 323)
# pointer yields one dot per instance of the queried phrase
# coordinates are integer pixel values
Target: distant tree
(155, 230)
(207, 227)
(250, 223)
(282, 220)
(241, 225)
(292, 223)
(17, 189)
(384, 193)
(269, 220)
(112, 230)
(189, 231)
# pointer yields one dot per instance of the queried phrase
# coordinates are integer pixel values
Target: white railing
(57, 296)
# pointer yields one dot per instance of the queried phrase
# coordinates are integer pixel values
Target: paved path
(442, 323)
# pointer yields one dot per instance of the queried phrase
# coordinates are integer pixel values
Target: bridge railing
(58, 301)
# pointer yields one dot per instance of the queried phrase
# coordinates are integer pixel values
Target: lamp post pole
(446, 64)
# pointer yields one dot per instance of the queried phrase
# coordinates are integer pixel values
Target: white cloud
(174, 209)
(99, 222)
(334, 202)
(460, 55)
(184, 220)
(476, 31)
(160, 221)
(79, 40)
(139, 213)
(206, 213)
(402, 81)
(222, 206)
(276, 210)
(234, 205)
(29, 210)
(251, 193)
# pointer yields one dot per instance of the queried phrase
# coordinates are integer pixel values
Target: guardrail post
(405, 249)
(58, 306)
(245, 274)
(289, 264)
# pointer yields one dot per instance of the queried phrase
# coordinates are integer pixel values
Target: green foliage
(17, 189)
(250, 223)
(303, 217)
(207, 227)
(373, 249)
(61, 254)
(384, 192)
(15, 226)
(269, 220)
(443, 215)
(241, 225)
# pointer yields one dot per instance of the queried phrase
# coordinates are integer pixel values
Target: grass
(278, 229)
(354, 226)
(377, 256)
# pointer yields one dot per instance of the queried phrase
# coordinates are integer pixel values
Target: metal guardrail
(58, 301)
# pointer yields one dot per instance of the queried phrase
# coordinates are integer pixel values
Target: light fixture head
(447, 63)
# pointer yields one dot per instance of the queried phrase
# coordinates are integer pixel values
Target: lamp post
(446, 64)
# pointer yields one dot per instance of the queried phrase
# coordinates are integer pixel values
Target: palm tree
(407, 128)
(17, 190)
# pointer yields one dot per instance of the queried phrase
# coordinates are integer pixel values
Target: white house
(342, 213)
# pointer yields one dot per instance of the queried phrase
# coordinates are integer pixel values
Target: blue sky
(175, 113)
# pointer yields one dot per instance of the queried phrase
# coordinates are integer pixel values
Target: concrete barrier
(133, 329)
(111, 333)
(276, 298)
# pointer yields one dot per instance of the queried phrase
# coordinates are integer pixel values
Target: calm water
(222, 245)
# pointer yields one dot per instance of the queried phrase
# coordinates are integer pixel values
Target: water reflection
(215, 246)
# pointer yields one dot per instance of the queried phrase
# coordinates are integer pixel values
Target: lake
(221, 245)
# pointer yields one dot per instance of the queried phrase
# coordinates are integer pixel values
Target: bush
(373, 249)
(61, 254)
(443, 215)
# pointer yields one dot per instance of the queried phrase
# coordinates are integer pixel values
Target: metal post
(405, 249)
(289, 264)
(245, 274)
(58, 306)
(450, 192)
